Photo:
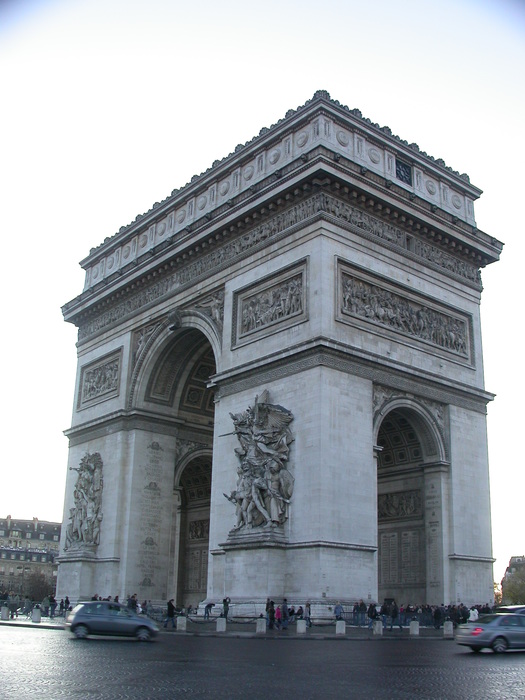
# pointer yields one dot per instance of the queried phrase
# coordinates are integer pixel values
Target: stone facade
(280, 381)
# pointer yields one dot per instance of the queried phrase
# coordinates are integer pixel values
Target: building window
(28, 535)
(42, 536)
(403, 172)
(55, 538)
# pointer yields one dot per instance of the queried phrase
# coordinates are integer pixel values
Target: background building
(513, 582)
(27, 547)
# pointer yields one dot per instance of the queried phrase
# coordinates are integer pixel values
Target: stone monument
(280, 375)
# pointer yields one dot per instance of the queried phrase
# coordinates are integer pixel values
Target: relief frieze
(100, 380)
(318, 204)
(402, 504)
(378, 304)
(274, 302)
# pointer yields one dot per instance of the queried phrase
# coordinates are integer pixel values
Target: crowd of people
(280, 616)
(390, 613)
(49, 606)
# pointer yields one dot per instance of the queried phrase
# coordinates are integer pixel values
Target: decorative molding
(321, 205)
(183, 448)
(309, 357)
(100, 380)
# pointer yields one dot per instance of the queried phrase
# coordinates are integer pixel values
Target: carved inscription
(384, 307)
(411, 570)
(318, 204)
(388, 558)
(150, 516)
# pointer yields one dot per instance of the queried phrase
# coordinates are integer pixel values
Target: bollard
(36, 615)
(340, 627)
(301, 626)
(378, 627)
(5, 613)
(182, 623)
(260, 627)
(414, 628)
(448, 630)
(221, 624)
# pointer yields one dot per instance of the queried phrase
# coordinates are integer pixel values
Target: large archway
(408, 449)
(175, 385)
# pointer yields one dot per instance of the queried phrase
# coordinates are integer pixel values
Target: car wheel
(476, 650)
(499, 645)
(81, 631)
(143, 634)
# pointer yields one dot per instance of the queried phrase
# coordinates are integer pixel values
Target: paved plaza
(51, 664)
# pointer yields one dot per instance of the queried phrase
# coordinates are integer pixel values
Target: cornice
(325, 352)
(320, 121)
(323, 174)
(126, 420)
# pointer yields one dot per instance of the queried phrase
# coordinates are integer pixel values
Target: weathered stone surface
(327, 274)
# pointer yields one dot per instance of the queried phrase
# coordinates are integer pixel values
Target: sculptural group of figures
(392, 310)
(273, 305)
(85, 517)
(264, 485)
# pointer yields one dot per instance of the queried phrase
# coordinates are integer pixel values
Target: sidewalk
(323, 629)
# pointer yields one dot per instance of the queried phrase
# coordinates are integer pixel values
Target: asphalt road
(51, 664)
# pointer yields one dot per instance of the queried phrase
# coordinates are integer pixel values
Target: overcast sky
(109, 105)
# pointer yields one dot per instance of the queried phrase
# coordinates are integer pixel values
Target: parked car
(105, 618)
(498, 631)
(517, 609)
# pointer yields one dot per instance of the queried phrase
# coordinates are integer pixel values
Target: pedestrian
(285, 614)
(308, 613)
(207, 610)
(52, 606)
(271, 615)
(385, 612)
(362, 613)
(170, 615)
(338, 611)
(394, 616)
(225, 607)
(372, 615)
(278, 617)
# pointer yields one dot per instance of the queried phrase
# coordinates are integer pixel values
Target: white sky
(109, 105)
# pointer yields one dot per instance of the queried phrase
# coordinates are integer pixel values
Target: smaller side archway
(191, 528)
(412, 503)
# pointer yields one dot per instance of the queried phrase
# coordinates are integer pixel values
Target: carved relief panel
(100, 380)
(274, 303)
(365, 298)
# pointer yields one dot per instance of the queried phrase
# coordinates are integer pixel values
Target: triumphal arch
(280, 381)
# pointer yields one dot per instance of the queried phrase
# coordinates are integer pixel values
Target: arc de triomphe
(280, 381)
